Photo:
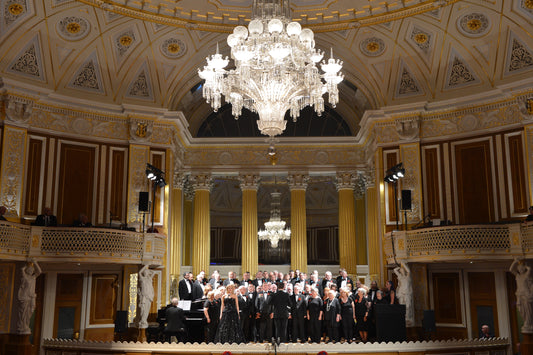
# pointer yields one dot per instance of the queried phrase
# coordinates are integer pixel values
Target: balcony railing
(18, 242)
(454, 243)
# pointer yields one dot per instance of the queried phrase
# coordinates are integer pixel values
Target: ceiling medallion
(126, 41)
(528, 4)
(173, 48)
(372, 46)
(473, 24)
(421, 38)
(276, 69)
(73, 28)
(16, 9)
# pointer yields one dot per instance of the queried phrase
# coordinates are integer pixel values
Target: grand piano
(194, 323)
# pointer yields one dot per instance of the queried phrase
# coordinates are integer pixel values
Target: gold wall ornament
(372, 47)
(421, 38)
(141, 129)
(16, 9)
(126, 41)
(73, 27)
(173, 47)
(12, 173)
(529, 101)
(474, 24)
(528, 4)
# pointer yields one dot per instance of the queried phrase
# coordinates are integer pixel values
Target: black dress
(213, 310)
(229, 327)
(361, 310)
(314, 306)
(347, 319)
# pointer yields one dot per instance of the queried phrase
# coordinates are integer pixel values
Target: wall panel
(34, 176)
(104, 296)
(117, 184)
(516, 175)
(432, 182)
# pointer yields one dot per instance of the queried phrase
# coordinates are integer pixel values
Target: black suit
(256, 283)
(299, 313)
(263, 308)
(183, 290)
(214, 283)
(175, 323)
(197, 290)
(245, 311)
(46, 221)
(348, 281)
(246, 283)
(280, 308)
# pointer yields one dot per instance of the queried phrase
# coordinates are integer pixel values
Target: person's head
(297, 289)
(174, 301)
(361, 292)
(230, 289)
(242, 290)
(379, 295)
(83, 218)
(331, 294)
(303, 276)
(530, 209)
(207, 289)
(273, 287)
(328, 275)
(307, 288)
(199, 277)
(314, 292)
(259, 288)
(374, 285)
(231, 275)
(47, 211)
(485, 329)
(218, 293)
(343, 273)
(251, 288)
(190, 276)
(246, 275)
(333, 287)
(314, 277)
(210, 295)
(389, 285)
(280, 275)
(326, 291)
(291, 274)
(358, 284)
(344, 291)
(185, 275)
(265, 274)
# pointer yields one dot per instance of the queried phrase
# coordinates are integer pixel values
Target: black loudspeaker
(406, 200)
(121, 322)
(144, 205)
(428, 322)
(390, 322)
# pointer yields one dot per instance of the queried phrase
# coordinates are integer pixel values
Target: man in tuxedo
(47, 219)
(259, 280)
(299, 315)
(215, 280)
(372, 293)
(280, 312)
(246, 281)
(198, 288)
(251, 296)
(245, 311)
(343, 280)
(262, 313)
(185, 287)
(175, 322)
(231, 280)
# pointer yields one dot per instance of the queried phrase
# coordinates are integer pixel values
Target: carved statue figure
(26, 296)
(145, 295)
(524, 292)
(404, 292)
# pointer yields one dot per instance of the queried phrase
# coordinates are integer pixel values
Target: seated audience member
(175, 322)
(529, 217)
(46, 219)
(3, 211)
(82, 221)
(485, 332)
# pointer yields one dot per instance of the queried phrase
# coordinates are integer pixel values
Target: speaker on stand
(144, 205)
(406, 204)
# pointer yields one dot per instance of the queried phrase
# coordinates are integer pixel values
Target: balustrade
(18, 242)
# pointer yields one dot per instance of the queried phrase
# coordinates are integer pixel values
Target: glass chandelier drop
(275, 227)
(275, 69)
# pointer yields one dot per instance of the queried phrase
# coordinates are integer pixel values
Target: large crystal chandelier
(275, 69)
(275, 228)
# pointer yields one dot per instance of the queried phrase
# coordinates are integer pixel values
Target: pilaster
(12, 172)
(250, 258)
(347, 241)
(201, 248)
(298, 185)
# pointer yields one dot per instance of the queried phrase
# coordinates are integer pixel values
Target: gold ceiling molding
(200, 20)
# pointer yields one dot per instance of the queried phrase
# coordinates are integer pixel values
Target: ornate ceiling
(137, 53)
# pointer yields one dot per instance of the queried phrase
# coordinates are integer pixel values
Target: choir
(291, 307)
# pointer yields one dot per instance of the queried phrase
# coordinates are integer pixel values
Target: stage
(495, 346)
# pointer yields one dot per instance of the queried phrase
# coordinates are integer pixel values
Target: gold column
(176, 234)
(12, 173)
(360, 230)
(201, 249)
(250, 244)
(374, 241)
(187, 225)
(347, 240)
(298, 185)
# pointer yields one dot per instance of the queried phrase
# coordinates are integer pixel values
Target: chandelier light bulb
(255, 27)
(275, 26)
(294, 29)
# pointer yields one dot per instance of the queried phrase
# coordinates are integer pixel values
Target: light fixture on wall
(157, 177)
(275, 69)
(275, 228)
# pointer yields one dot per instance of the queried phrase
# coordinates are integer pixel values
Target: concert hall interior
(117, 176)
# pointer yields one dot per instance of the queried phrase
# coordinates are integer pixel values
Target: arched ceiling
(116, 53)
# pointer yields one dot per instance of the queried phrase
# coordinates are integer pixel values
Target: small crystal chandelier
(275, 227)
(275, 69)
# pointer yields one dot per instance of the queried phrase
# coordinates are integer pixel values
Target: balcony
(460, 243)
(94, 245)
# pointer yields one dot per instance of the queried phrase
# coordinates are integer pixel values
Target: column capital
(361, 184)
(201, 181)
(249, 181)
(18, 111)
(178, 180)
(298, 181)
(345, 180)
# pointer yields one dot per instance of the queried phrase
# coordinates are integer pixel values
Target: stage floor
(495, 346)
